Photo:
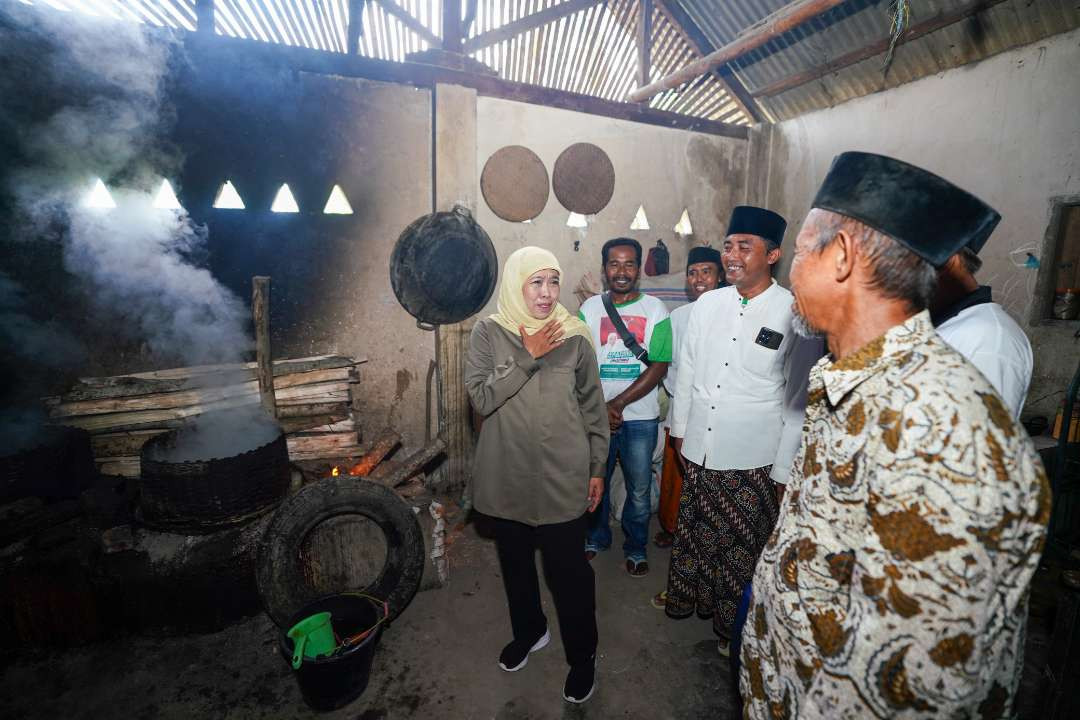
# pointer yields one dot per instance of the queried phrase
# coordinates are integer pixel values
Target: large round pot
(443, 268)
(198, 479)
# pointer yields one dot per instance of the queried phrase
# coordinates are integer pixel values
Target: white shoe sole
(538, 645)
(569, 699)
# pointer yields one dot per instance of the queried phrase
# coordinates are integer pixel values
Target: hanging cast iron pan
(443, 268)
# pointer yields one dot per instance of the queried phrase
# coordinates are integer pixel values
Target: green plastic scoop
(313, 636)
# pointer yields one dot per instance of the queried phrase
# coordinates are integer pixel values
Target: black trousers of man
(569, 577)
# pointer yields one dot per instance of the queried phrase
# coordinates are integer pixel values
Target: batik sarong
(725, 518)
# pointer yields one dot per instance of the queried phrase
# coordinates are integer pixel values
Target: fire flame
(335, 472)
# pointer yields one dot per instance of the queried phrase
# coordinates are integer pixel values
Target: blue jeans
(633, 445)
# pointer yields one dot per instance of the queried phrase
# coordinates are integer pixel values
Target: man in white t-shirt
(630, 389)
(981, 330)
(732, 424)
(704, 272)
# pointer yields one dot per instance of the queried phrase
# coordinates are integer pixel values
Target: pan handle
(430, 327)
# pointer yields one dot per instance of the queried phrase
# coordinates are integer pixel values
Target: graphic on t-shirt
(634, 323)
(616, 362)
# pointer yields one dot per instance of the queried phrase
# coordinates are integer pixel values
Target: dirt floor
(437, 660)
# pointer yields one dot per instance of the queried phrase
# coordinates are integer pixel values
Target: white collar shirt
(987, 336)
(732, 396)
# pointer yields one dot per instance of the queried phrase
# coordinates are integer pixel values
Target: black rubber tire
(280, 577)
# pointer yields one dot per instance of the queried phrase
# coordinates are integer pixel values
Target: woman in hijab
(531, 372)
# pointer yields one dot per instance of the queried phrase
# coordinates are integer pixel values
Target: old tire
(279, 573)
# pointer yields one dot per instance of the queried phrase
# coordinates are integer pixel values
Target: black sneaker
(515, 655)
(580, 681)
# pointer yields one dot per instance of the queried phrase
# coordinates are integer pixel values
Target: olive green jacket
(545, 430)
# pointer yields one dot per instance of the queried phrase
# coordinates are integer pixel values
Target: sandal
(663, 539)
(659, 600)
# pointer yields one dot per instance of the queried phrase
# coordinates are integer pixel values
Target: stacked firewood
(315, 400)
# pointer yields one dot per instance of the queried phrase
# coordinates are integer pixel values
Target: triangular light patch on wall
(228, 198)
(640, 221)
(684, 227)
(284, 202)
(576, 220)
(166, 198)
(99, 197)
(338, 204)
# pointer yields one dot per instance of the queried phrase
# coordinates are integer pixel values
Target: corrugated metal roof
(591, 50)
(859, 23)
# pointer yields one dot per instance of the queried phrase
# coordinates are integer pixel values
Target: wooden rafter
(527, 23)
(786, 18)
(693, 35)
(217, 48)
(644, 41)
(940, 20)
(409, 21)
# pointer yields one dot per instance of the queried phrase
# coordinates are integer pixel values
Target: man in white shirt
(981, 330)
(704, 272)
(729, 420)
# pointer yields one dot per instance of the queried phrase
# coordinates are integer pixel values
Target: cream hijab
(513, 312)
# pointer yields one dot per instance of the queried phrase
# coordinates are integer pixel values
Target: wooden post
(451, 26)
(355, 28)
(784, 19)
(456, 183)
(204, 16)
(644, 42)
(264, 366)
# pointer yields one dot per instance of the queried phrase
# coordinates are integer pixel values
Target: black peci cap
(750, 220)
(703, 254)
(923, 212)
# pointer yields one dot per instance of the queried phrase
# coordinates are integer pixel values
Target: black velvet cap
(923, 212)
(703, 254)
(750, 220)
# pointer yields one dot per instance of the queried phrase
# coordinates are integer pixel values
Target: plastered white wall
(1007, 129)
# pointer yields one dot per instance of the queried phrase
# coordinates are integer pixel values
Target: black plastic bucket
(328, 683)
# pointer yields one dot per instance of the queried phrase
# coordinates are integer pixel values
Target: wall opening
(1058, 288)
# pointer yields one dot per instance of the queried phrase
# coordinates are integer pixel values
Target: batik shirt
(896, 581)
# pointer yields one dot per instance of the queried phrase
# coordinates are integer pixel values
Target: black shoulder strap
(627, 337)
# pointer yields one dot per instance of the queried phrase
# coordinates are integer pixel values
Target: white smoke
(138, 263)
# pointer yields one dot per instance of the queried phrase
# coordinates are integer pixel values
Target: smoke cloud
(138, 263)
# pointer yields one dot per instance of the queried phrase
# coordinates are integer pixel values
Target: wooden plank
(159, 388)
(125, 466)
(264, 371)
(786, 18)
(939, 20)
(111, 445)
(246, 370)
(525, 24)
(327, 423)
(410, 466)
(185, 398)
(693, 35)
(313, 410)
(329, 443)
(384, 444)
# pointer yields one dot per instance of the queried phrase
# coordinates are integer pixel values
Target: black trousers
(569, 577)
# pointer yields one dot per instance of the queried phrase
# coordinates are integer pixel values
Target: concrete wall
(1007, 129)
(664, 169)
